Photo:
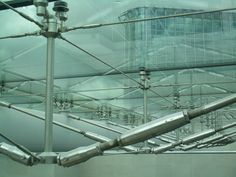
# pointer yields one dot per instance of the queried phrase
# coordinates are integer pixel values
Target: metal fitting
(51, 27)
(41, 7)
(61, 9)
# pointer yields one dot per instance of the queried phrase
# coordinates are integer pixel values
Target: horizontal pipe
(90, 26)
(16, 154)
(174, 152)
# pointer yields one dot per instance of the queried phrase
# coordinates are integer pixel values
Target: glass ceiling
(191, 60)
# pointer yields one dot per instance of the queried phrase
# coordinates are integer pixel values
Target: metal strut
(144, 76)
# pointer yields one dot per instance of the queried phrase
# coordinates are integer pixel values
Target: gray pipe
(187, 140)
(107, 128)
(225, 138)
(143, 132)
(164, 138)
(205, 142)
(212, 106)
(86, 134)
(16, 154)
(153, 128)
(192, 138)
(48, 136)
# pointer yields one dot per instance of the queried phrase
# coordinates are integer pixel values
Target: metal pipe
(149, 19)
(107, 128)
(37, 33)
(165, 138)
(20, 147)
(87, 134)
(205, 142)
(198, 136)
(187, 140)
(225, 138)
(153, 128)
(25, 16)
(173, 152)
(144, 76)
(145, 109)
(48, 136)
(143, 132)
(135, 135)
(16, 154)
(212, 106)
(93, 123)
(226, 127)
(203, 135)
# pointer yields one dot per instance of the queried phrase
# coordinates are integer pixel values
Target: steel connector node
(61, 9)
(48, 158)
(144, 75)
(41, 7)
(51, 27)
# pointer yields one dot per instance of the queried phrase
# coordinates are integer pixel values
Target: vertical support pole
(48, 136)
(145, 108)
(144, 74)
